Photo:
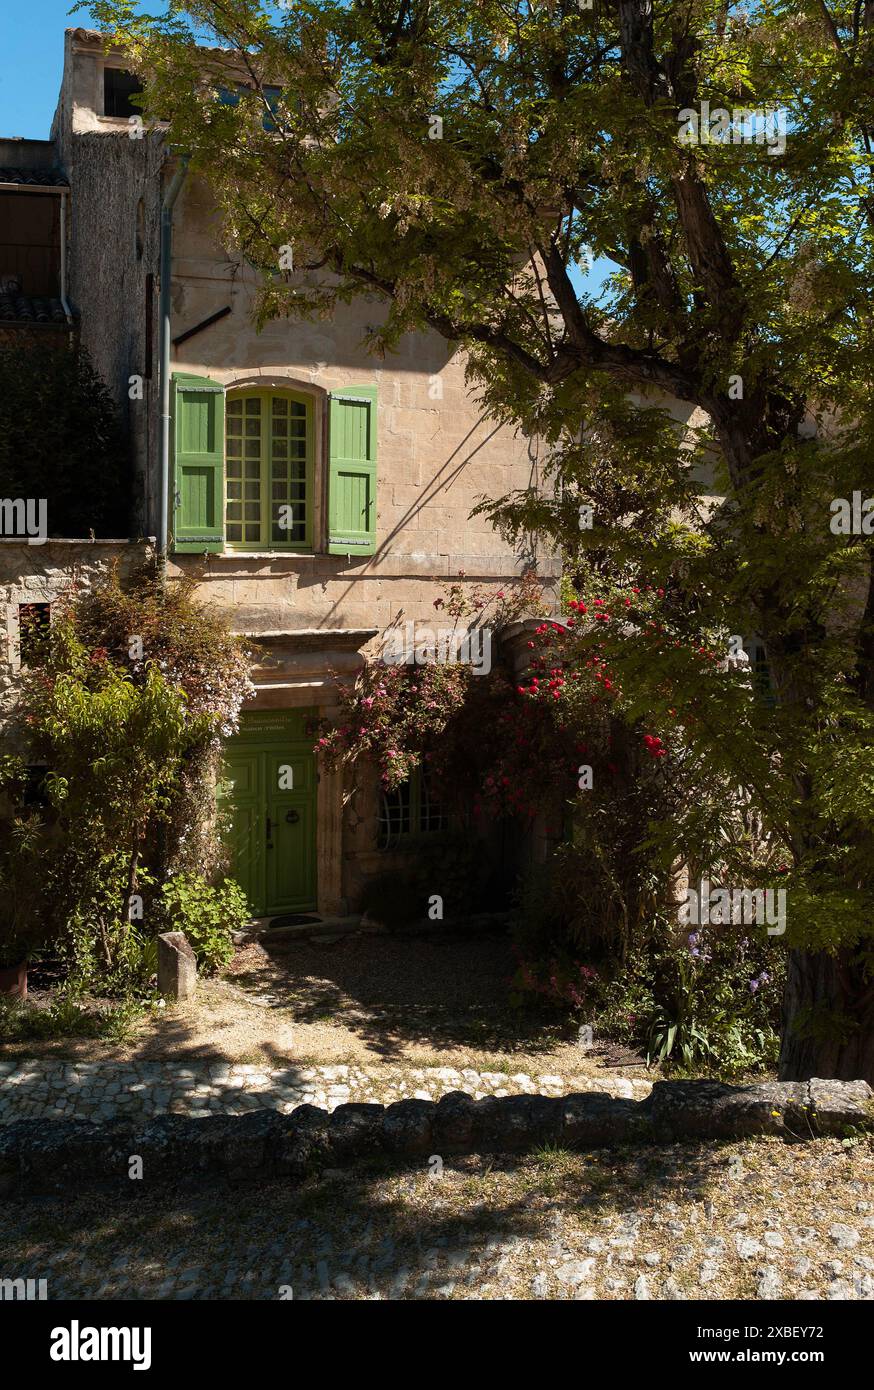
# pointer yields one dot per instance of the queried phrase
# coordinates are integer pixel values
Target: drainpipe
(63, 238)
(165, 271)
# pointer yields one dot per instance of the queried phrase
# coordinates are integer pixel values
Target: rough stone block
(837, 1105)
(454, 1121)
(516, 1122)
(301, 1142)
(355, 1129)
(715, 1110)
(177, 966)
(408, 1126)
(593, 1119)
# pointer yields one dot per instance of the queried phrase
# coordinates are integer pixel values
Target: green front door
(269, 791)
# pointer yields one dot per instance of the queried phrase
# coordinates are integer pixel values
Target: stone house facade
(317, 494)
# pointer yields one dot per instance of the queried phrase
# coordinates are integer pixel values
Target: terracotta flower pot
(13, 980)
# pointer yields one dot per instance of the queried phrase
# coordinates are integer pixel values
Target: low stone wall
(264, 1144)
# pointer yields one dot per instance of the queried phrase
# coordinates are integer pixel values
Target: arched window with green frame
(269, 470)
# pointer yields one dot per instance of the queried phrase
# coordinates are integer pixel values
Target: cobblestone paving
(108, 1090)
(756, 1219)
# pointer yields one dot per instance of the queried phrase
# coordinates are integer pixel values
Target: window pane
(284, 435)
(431, 814)
(288, 515)
(394, 815)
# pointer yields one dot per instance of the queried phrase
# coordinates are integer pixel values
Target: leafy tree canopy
(457, 162)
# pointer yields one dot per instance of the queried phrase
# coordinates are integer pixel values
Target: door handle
(269, 832)
(292, 817)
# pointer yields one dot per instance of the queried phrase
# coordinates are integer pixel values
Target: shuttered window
(244, 469)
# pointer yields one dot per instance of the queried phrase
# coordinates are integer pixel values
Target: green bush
(61, 438)
(707, 1001)
(206, 915)
(66, 1017)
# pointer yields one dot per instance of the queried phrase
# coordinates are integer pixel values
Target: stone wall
(71, 1154)
(114, 244)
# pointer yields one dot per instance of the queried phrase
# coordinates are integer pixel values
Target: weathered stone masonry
(36, 1157)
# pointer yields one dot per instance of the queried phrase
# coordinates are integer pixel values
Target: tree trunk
(133, 863)
(827, 984)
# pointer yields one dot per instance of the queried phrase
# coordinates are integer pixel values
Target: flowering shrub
(393, 714)
(398, 716)
(145, 624)
(126, 707)
(708, 1000)
(566, 983)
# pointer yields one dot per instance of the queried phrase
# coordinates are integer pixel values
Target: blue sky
(31, 62)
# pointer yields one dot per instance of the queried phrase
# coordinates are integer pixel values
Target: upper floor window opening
(269, 453)
(119, 86)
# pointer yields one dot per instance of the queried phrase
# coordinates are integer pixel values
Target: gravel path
(750, 1220)
(41, 1089)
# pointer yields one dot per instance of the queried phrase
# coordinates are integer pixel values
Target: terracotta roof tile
(19, 308)
(34, 178)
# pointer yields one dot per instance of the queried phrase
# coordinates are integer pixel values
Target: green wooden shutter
(199, 459)
(352, 475)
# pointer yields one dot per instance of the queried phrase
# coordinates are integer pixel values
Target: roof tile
(19, 308)
(34, 178)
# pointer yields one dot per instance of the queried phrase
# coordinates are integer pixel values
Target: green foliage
(66, 1017)
(734, 262)
(207, 915)
(126, 709)
(23, 886)
(93, 934)
(709, 1002)
(60, 438)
